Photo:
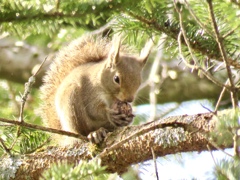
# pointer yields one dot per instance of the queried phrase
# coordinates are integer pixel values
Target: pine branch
(42, 128)
(92, 14)
(84, 14)
(200, 43)
(127, 146)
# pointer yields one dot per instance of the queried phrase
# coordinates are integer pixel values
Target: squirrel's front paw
(97, 136)
(121, 114)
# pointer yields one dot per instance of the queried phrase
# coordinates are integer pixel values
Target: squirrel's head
(121, 76)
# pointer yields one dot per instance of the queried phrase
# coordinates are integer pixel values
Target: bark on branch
(126, 146)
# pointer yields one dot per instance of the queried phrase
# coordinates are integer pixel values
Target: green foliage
(227, 169)
(22, 140)
(32, 140)
(226, 21)
(19, 140)
(24, 18)
(84, 170)
(226, 128)
(136, 19)
(157, 17)
(224, 133)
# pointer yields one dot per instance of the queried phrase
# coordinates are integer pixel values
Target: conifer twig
(155, 163)
(236, 145)
(219, 39)
(27, 90)
(16, 138)
(209, 149)
(216, 165)
(57, 5)
(5, 147)
(152, 82)
(216, 146)
(197, 19)
(42, 128)
(220, 97)
(196, 64)
(172, 31)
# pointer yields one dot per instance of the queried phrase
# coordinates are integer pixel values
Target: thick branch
(126, 146)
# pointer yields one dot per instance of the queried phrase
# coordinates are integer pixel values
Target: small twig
(155, 163)
(204, 107)
(197, 19)
(5, 147)
(208, 75)
(27, 90)
(151, 79)
(217, 147)
(209, 149)
(15, 140)
(223, 52)
(238, 139)
(42, 128)
(217, 167)
(236, 143)
(28, 87)
(229, 33)
(220, 97)
(57, 5)
(41, 65)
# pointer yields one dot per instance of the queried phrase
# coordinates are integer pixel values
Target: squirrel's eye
(116, 79)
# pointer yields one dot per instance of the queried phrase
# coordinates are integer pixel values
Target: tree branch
(126, 146)
(198, 41)
(224, 55)
(42, 128)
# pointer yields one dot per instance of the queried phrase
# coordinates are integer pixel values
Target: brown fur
(79, 86)
(80, 51)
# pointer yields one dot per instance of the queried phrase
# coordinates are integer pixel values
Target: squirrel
(85, 79)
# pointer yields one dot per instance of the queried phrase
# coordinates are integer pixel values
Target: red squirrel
(84, 81)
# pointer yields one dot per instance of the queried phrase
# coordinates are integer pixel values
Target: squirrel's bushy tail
(80, 51)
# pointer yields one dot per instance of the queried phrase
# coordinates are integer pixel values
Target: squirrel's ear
(145, 52)
(113, 56)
